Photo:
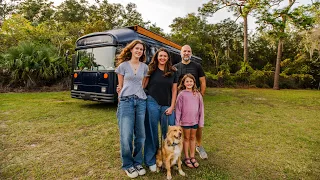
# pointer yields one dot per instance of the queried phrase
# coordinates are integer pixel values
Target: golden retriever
(170, 152)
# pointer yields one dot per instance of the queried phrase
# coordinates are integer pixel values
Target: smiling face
(162, 58)
(186, 53)
(137, 51)
(188, 83)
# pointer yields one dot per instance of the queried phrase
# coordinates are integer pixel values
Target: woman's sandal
(188, 163)
(194, 162)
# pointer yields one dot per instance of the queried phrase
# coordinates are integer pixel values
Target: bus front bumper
(110, 98)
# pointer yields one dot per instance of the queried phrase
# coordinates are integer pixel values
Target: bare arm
(173, 100)
(120, 83)
(203, 85)
(145, 82)
(174, 94)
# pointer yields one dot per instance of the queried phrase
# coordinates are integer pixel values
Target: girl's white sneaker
(132, 172)
(153, 168)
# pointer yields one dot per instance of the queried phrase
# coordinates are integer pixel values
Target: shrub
(32, 65)
(262, 79)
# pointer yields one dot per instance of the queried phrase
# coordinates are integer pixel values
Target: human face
(162, 57)
(188, 83)
(186, 53)
(137, 51)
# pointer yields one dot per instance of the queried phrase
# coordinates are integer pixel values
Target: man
(188, 66)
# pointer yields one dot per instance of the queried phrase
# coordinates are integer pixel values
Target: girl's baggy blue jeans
(131, 115)
(155, 113)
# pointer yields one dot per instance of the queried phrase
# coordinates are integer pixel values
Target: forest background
(283, 52)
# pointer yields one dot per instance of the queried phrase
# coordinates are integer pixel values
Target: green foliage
(36, 11)
(262, 79)
(31, 65)
(72, 11)
(220, 45)
(296, 81)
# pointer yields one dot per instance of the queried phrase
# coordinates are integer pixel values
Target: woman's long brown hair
(183, 87)
(168, 68)
(126, 54)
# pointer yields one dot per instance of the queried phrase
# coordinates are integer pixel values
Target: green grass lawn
(248, 134)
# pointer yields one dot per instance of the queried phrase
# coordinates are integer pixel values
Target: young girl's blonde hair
(183, 87)
(126, 54)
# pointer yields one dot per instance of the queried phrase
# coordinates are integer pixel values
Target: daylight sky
(162, 12)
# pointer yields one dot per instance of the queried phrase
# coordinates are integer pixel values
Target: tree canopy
(282, 53)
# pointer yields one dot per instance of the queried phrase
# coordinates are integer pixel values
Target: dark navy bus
(93, 76)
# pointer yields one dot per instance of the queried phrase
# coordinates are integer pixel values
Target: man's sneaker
(132, 172)
(141, 171)
(153, 168)
(202, 152)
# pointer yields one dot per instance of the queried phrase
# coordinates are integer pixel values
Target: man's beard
(186, 58)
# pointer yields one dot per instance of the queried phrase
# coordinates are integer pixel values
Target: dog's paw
(169, 177)
(158, 169)
(182, 173)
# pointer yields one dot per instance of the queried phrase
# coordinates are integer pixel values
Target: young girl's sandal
(188, 163)
(194, 162)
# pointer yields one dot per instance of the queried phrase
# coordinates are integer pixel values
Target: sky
(162, 12)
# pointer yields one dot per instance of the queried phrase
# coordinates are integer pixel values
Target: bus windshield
(99, 58)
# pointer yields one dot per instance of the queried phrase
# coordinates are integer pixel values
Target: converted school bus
(93, 76)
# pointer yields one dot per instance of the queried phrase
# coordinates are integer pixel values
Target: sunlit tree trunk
(277, 72)
(245, 39)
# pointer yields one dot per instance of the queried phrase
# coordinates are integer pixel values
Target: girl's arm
(145, 82)
(179, 110)
(201, 111)
(120, 83)
(173, 100)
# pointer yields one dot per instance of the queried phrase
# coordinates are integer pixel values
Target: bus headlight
(75, 87)
(103, 89)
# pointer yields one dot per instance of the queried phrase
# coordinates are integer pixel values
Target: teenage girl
(132, 73)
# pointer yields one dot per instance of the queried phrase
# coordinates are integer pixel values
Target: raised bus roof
(127, 34)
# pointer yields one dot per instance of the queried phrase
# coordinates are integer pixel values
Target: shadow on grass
(208, 169)
(101, 106)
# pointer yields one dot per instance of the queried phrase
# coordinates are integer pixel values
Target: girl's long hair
(183, 87)
(126, 54)
(168, 68)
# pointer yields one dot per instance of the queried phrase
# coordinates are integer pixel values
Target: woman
(131, 111)
(162, 93)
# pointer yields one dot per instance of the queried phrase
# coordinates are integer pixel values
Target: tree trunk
(245, 39)
(277, 72)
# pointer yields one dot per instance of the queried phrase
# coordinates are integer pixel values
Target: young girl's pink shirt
(189, 109)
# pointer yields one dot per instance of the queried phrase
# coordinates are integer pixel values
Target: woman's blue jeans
(155, 113)
(131, 115)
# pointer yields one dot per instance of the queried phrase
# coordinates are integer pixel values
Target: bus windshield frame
(96, 58)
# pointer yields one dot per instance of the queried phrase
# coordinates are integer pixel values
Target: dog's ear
(169, 137)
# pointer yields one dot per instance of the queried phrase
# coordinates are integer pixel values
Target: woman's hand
(169, 110)
(118, 89)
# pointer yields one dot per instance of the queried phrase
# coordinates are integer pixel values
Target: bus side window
(152, 50)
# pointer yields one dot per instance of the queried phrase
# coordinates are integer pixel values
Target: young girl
(131, 111)
(189, 115)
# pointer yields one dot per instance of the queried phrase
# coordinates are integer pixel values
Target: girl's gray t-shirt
(132, 83)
